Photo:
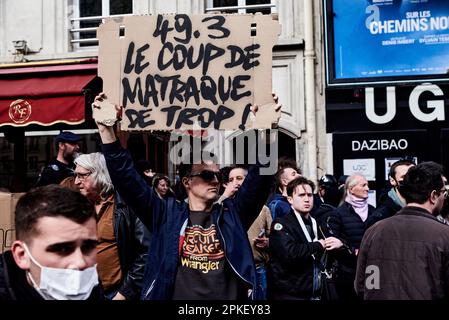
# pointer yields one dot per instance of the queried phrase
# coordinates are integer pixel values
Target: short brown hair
(297, 182)
(50, 201)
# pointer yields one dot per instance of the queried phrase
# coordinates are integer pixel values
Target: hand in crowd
(332, 243)
(276, 100)
(105, 115)
(261, 242)
(278, 107)
(230, 190)
(101, 103)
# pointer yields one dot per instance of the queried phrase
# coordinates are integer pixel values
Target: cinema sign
(434, 107)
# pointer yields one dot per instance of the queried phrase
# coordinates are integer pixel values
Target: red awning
(44, 95)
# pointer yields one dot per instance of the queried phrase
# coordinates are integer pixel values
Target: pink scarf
(360, 205)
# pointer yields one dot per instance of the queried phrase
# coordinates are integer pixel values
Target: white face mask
(64, 284)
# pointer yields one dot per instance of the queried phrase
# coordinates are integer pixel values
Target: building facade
(53, 39)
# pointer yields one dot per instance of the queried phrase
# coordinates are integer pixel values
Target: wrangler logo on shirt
(201, 249)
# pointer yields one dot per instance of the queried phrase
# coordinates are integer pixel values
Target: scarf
(360, 205)
(394, 196)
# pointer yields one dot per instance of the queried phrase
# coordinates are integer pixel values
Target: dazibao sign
(374, 39)
(189, 71)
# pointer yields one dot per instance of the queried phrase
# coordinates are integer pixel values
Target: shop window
(89, 15)
(6, 168)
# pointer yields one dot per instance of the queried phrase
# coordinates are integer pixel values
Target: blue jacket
(279, 206)
(164, 219)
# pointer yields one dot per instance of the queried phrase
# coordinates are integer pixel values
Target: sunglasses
(206, 175)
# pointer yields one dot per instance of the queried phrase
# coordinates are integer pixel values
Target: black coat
(133, 241)
(291, 261)
(385, 210)
(54, 173)
(346, 225)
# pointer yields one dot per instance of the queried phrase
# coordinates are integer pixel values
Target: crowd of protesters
(115, 230)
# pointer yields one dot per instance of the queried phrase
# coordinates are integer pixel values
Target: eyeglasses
(444, 191)
(82, 176)
(207, 175)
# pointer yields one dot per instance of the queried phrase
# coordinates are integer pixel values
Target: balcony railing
(79, 36)
(77, 32)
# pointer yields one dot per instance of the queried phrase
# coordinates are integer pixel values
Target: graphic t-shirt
(203, 272)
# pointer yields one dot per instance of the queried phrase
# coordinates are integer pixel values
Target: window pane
(253, 2)
(226, 3)
(120, 6)
(89, 8)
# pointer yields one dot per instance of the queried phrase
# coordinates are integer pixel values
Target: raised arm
(255, 189)
(253, 194)
(126, 180)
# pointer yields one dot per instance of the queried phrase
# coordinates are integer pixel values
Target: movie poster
(390, 38)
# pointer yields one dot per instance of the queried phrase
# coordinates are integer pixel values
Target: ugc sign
(434, 107)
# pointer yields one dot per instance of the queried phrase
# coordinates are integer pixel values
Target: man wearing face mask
(54, 256)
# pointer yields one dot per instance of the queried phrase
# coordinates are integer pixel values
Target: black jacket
(345, 224)
(14, 284)
(133, 241)
(291, 261)
(385, 210)
(321, 214)
(54, 173)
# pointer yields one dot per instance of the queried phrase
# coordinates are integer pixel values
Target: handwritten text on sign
(177, 71)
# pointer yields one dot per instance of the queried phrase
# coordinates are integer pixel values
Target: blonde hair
(351, 182)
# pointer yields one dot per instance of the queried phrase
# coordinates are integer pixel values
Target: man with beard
(62, 167)
(406, 256)
(393, 201)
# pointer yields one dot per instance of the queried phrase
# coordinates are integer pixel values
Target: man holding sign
(177, 72)
(199, 249)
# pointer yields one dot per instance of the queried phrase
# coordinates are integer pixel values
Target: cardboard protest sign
(180, 71)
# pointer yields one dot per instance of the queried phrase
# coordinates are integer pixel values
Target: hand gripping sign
(176, 71)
